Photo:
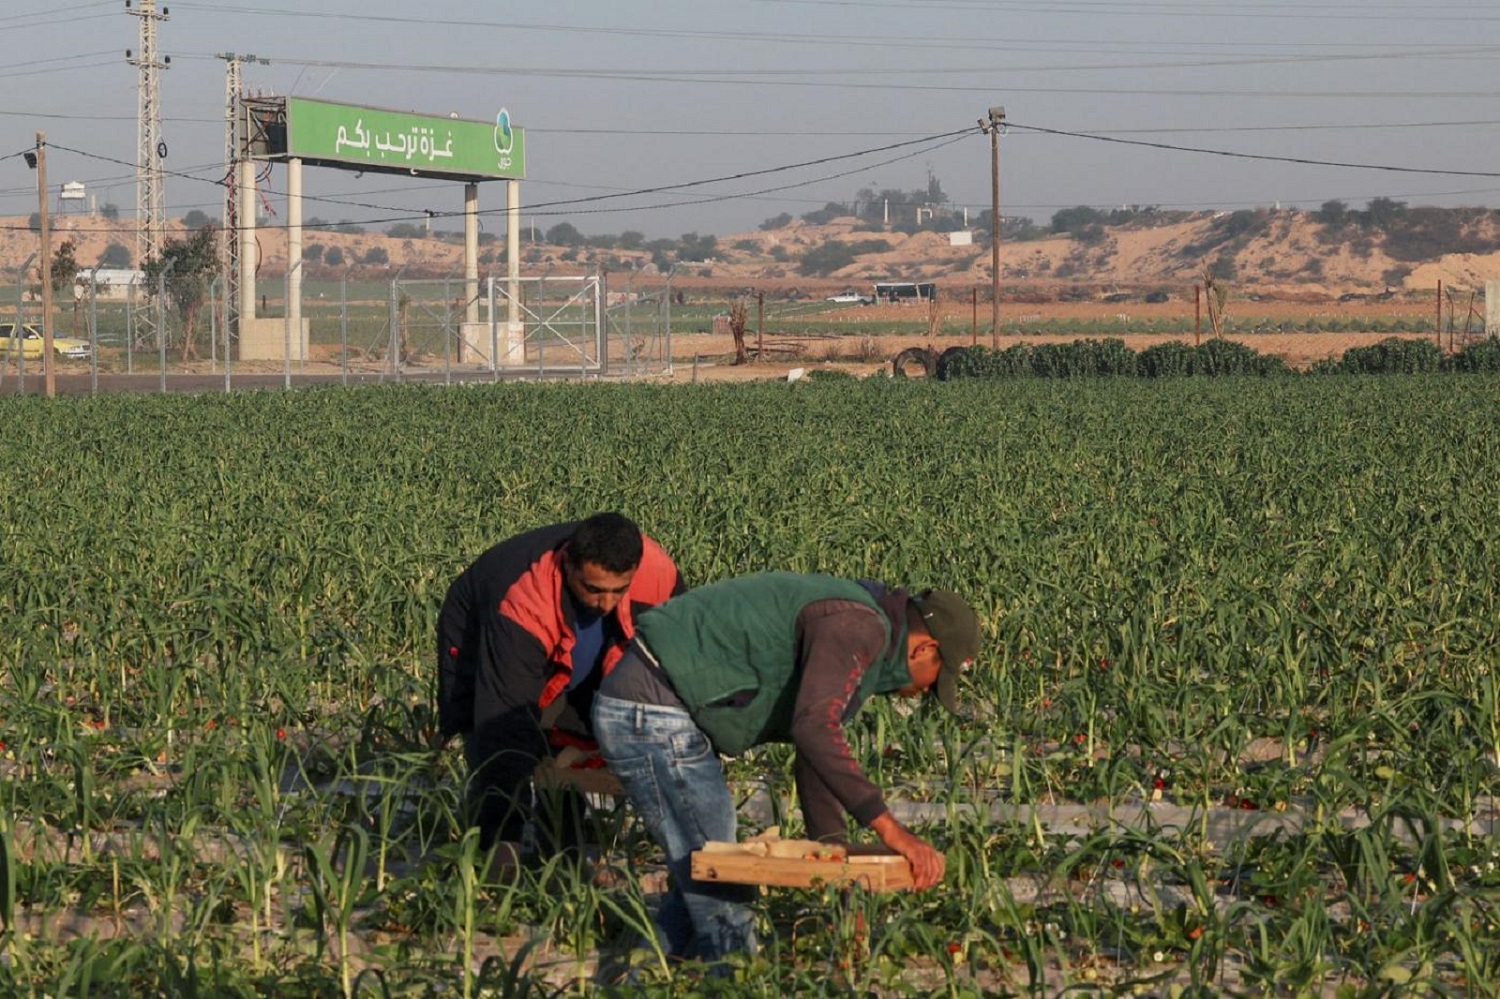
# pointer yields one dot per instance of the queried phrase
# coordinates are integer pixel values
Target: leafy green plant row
(1265, 597)
(1089, 358)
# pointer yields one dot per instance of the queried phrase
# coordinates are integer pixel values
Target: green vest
(729, 650)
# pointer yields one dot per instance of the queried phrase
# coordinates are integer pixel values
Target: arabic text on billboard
(393, 140)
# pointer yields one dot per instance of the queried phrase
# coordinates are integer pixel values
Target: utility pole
(150, 193)
(229, 239)
(49, 371)
(991, 126)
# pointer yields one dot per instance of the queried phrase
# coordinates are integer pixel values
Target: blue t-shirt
(588, 629)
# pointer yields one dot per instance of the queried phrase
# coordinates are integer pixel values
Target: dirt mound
(1272, 253)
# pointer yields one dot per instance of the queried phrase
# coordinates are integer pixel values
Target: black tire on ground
(918, 355)
(945, 361)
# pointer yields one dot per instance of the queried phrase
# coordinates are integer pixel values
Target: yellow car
(29, 344)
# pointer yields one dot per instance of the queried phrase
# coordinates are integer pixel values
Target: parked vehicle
(852, 298)
(30, 343)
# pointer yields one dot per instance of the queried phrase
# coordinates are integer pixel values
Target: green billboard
(400, 142)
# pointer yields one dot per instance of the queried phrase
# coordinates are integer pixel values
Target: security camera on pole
(991, 126)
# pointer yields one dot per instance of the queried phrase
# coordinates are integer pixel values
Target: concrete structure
(111, 284)
(1492, 308)
(272, 340)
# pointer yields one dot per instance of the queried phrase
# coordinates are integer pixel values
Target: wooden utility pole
(991, 127)
(760, 326)
(1197, 315)
(974, 319)
(1438, 330)
(49, 366)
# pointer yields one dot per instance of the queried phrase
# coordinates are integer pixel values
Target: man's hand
(927, 864)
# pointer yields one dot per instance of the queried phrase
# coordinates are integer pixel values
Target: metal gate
(540, 326)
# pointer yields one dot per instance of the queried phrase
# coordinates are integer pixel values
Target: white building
(111, 284)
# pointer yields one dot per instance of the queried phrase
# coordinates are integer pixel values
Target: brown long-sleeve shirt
(837, 641)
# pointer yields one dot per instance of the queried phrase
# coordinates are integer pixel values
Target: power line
(539, 209)
(1257, 156)
(573, 205)
(722, 78)
(905, 41)
(1128, 8)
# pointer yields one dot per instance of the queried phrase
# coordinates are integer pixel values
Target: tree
(186, 268)
(34, 222)
(115, 255)
(830, 211)
(739, 317)
(694, 248)
(406, 230)
(376, 255)
(65, 275)
(195, 219)
(631, 240)
(1077, 220)
(564, 234)
(825, 259)
(334, 257)
(1332, 212)
(313, 253)
(1382, 213)
(110, 211)
(776, 222)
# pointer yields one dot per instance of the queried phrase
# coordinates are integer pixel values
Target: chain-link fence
(134, 337)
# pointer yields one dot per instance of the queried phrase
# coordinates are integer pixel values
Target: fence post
(94, 331)
(131, 291)
(17, 342)
(390, 347)
(344, 327)
(286, 316)
(494, 330)
(213, 325)
(161, 322)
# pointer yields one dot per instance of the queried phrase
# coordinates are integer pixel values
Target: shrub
(1220, 357)
(1483, 355)
(1393, 355)
(1166, 360)
(1084, 359)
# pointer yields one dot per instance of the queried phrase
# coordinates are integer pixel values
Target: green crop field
(1237, 727)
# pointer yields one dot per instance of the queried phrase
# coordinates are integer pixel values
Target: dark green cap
(956, 627)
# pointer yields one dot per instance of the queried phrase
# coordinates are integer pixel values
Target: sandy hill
(1272, 253)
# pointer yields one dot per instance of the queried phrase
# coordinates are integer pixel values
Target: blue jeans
(676, 783)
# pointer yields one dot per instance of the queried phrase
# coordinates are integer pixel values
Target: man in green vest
(777, 657)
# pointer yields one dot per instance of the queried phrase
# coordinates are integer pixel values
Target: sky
(764, 107)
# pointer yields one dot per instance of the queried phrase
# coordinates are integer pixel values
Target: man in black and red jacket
(532, 626)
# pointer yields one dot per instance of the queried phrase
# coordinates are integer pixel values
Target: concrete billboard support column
(1492, 308)
(294, 248)
(513, 344)
(264, 339)
(473, 341)
(249, 260)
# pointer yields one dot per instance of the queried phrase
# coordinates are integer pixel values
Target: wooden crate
(585, 780)
(874, 871)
